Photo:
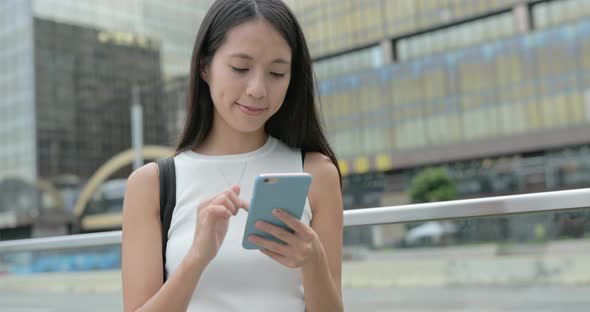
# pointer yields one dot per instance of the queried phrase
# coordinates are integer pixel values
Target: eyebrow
(248, 57)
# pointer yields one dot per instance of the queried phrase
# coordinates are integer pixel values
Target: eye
(239, 70)
(277, 75)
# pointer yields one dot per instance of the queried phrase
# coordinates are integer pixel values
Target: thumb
(246, 205)
(236, 189)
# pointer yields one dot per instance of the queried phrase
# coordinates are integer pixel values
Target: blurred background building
(495, 91)
(83, 79)
(67, 73)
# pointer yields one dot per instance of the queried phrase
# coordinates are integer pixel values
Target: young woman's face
(249, 75)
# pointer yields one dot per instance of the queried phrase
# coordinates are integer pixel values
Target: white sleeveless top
(237, 279)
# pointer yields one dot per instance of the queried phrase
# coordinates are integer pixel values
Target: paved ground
(537, 299)
(553, 278)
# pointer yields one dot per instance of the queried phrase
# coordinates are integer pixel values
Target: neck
(228, 141)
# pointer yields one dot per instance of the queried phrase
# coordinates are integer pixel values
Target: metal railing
(480, 207)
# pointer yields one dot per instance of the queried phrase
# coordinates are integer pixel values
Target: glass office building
(27, 70)
(17, 85)
(427, 81)
(32, 66)
(84, 80)
(67, 69)
(173, 23)
(496, 91)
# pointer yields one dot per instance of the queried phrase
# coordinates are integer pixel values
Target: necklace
(241, 174)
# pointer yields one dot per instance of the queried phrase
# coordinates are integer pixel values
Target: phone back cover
(289, 193)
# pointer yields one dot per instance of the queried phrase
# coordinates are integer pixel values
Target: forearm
(321, 292)
(176, 293)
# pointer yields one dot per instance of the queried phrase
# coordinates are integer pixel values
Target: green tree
(432, 185)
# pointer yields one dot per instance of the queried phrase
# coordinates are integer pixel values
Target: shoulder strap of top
(167, 201)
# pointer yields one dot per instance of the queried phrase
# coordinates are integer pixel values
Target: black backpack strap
(167, 201)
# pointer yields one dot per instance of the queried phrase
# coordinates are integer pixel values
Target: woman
(251, 111)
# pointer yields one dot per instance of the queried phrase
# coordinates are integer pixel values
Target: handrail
(467, 208)
(61, 242)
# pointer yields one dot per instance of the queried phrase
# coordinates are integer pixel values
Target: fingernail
(276, 211)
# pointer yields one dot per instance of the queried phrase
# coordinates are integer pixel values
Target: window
(552, 13)
(463, 35)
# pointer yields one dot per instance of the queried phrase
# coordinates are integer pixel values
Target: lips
(250, 110)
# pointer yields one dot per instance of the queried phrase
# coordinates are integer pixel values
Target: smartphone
(287, 191)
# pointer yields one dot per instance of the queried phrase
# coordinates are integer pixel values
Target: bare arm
(142, 244)
(142, 251)
(322, 275)
(316, 249)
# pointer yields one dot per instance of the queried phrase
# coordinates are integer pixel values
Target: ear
(203, 71)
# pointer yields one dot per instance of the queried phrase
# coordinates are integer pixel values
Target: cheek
(216, 94)
(280, 94)
(223, 90)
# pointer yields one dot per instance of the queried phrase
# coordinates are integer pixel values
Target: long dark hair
(297, 122)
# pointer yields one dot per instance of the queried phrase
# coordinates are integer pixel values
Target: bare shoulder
(143, 189)
(320, 167)
(325, 178)
(147, 172)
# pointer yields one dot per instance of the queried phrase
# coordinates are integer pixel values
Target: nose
(257, 87)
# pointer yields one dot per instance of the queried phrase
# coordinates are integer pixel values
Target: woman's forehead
(256, 40)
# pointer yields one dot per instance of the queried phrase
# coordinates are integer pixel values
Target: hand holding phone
(287, 191)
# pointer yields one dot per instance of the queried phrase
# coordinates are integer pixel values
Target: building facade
(170, 26)
(84, 82)
(173, 23)
(496, 91)
(67, 69)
